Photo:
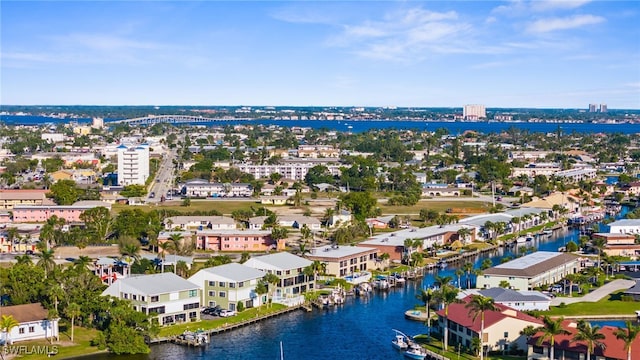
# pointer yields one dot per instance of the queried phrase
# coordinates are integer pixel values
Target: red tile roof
(614, 348)
(462, 315)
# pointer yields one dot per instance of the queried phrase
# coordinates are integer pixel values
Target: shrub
(240, 306)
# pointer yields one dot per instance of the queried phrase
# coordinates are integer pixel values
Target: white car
(227, 313)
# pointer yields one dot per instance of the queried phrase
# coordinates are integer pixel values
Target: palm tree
(442, 281)
(272, 280)
(468, 268)
(628, 335)
(8, 322)
(72, 311)
(590, 335)
(463, 234)
(82, 262)
(599, 243)
(550, 330)
(46, 261)
(459, 273)
(182, 269)
(55, 292)
(23, 259)
(446, 295)
(478, 306)
(426, 296)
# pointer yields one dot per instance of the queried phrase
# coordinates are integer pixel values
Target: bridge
(169, 119)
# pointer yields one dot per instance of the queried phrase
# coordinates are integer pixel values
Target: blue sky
(540, 53)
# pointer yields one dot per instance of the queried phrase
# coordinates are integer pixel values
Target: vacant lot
(458, 207)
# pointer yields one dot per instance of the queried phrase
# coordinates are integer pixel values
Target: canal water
(362, 328)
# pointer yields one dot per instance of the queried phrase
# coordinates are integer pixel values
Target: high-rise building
(97, 123)
(474, 112)
(133, 164)
(593, 108)
(603, 108)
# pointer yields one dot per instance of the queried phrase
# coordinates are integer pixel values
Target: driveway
(596, 294)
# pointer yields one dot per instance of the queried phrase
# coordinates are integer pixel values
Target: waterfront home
(342, 217)
(199, 223)
(501, 328)
(290, 269)
(531, 271)
(230, 285)
(619, 244)
(568, 348)
(625, 226)
(237, 240)
(11, 198)
(393, 243)
(172, 298)
(345, 260)
(33, 323)
(521, 300)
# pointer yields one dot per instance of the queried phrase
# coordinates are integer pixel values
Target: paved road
(164, 176)
(597, 294)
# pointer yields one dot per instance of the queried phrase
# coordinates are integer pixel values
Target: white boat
(547, 232)
(399, 342)
(415, 352)
(521, 240)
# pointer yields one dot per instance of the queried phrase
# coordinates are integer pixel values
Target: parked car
(227, 313)
(214, 311)
(152, 195)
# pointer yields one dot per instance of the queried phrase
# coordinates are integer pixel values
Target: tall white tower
(474, 112)
(133, 164)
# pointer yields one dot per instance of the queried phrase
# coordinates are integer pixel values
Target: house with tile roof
(229, 285)
(567, 348)
(172, 298)
(501, 328)
(531, 271)
(33, 323)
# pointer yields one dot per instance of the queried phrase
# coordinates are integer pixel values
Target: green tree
(478, 306)
(98, 223)
(272, 281)
(72, 311)
(7, 323)
(591, 335)
(65, 192)
(550, 330)
(446, 295)
(628, 335)
(426, 296)
(46, 261)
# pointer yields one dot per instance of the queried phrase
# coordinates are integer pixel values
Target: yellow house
(61, 175)
(82, 130)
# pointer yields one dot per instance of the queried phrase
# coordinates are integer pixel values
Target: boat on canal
(415, 351)
(400, 341)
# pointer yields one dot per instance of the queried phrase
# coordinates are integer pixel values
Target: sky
(539, 54)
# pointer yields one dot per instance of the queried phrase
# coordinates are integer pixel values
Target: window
(157, 310)
(212, 293)
(134, 297)
(240, 284)
(506, 334)
(191, 306)
(142, 298)
(193, 293)
(125, 295)
(155, 299)
(232, 285)
(212, 283)
(21, 330)
(222, 284)
(222, 294)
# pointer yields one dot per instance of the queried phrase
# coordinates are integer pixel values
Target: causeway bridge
(170, 119)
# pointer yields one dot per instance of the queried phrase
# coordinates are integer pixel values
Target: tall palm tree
(427, 296)
(446, 295)
(8, 322)
(628, 335)
(463, 234)
(23, 259)
(550, 330)
(590, 335)
(272, 280)
(468, 268)
(82, 262)
(459, 273)
(478, 306)
(72, 311)
(46, 261)
(442, 281)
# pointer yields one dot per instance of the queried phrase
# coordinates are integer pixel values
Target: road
(164, 177)
(597, 294)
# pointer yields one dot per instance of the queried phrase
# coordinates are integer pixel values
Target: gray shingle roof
(532, 264)
(153, 284)
(235, 272)
(508, 295)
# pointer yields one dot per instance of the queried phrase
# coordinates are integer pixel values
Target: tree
(464, 233)
(7, 323)
(272, 281)
(550, 330)
(478, 306)
(46, 261)
(590, 335)
(468, 268)
(442, 281)
(628, 335)
(426, 296)
(82, 262)
(244, 257)
(446, 295)
(65, 192)
(72, 311)
(98, 223)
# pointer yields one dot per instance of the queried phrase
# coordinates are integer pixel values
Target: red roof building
(567, 348)
(501, 328)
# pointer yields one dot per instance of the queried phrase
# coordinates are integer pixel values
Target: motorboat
(521, 240)
(399, 342)
(415, 352)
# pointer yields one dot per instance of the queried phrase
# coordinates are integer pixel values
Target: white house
(625, 226)
(229, 285)
(200, 222)
(33, 323)
(523, 300)
(172, 298)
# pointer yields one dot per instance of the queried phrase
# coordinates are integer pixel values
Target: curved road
(597, 294)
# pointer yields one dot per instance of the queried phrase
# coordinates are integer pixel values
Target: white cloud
(563, 23)
(544, 5)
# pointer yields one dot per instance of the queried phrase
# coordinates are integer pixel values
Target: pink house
(237, 240)
(70, 213)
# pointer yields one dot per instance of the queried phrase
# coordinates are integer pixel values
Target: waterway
(362, 125)
(362, 328)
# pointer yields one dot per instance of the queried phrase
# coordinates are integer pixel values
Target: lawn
(470, 206)
(452, 352)
(224, 206)
(611, 305)
(220, 322)
(65, 349)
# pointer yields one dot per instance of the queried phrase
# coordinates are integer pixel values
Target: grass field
(65, 349)
(223, 206)
(471, 207)
(611, 305)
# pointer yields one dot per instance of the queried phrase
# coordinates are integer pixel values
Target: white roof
(626, 222)
(153, 284)
(278, 261)
(329, 251)
(232, 272)
(529, 260)
(397, 238)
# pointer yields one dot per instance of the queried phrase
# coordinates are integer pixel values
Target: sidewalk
(597, 294)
